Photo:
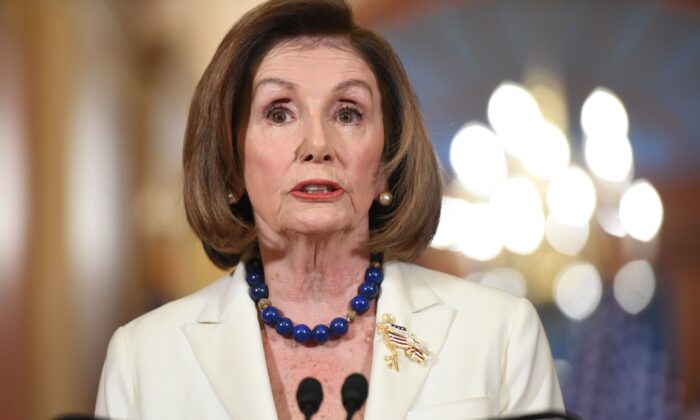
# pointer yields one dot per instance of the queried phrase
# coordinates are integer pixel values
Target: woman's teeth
(317, 189)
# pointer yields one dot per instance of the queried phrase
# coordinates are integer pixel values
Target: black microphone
(309, 396)
(354, 393)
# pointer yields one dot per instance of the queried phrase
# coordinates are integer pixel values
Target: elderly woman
(307, 167)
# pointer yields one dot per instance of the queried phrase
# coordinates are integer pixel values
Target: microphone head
(354, 392)
(309, 396)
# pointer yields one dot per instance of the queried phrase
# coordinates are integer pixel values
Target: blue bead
(254, 264)
(339, 326)
(253, 277)
(284, 327)
(374, 274)
(301, 333)
(258, 291)
(359, 304)
(320, 333)
(270, 315)
(368, 289)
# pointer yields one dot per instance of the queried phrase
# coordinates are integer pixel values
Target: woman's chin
(318, 228)
(318, 223)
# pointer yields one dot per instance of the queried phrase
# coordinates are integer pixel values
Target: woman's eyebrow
(275, 81)
(353, 83)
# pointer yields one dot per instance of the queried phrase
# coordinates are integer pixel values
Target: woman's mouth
(317, 189)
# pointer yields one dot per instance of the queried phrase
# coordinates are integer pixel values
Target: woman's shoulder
(494, 336)
(473, 302)
(457, 291)
(169, 317)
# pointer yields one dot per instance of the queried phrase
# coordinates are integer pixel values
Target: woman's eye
(349, 115)
(278, 115)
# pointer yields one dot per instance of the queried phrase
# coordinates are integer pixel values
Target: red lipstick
(317, 190)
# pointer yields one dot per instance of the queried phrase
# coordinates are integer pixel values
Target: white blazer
(201, 357)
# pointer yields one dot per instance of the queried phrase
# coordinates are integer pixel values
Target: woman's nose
(316, 146)
(315, 158)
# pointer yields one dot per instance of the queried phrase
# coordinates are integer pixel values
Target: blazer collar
(227, 343)
(220, 305)
(407, 296)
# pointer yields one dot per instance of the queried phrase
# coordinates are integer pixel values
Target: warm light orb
(641, 211)
(609, 220)
(548, 153)
(476, 237)
(478, 159)
(568, 240)
(609, 157)
(634, 286)
(571, 197)
(578, 290)
(507, 279)
(452, 215)
(515, 116)
(518, 208)
(603, 114)
(467, 228)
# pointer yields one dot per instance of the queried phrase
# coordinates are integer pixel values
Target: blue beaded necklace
(301, 333)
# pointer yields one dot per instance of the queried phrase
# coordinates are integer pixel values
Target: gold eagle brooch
(398, 337)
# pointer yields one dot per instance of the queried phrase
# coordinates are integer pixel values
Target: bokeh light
(476, 238)
(609, 219)
(468, 228)
(603, 114)
(515, 116)
(567, 239)
(634, 286)
(478, 159)
(641, 211)
(571, 197)
(578, 290)
(451, 216)
(609, 157)
(547, 153)
(518, 207)
(507, 279)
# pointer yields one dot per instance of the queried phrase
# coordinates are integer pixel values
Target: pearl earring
(231, 198)
(385, 198)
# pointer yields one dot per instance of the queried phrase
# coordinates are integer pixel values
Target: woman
(307, 167)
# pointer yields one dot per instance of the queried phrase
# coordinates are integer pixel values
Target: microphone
(309, 396)
(354, 393)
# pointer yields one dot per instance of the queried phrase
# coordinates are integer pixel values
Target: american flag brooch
(397, 337)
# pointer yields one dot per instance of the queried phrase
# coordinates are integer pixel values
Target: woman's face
(313, 140)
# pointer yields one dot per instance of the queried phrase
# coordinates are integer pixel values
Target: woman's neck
(313, 278)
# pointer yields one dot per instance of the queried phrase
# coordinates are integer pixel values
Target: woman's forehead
(304, 59)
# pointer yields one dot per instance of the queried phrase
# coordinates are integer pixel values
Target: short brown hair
(213, 162)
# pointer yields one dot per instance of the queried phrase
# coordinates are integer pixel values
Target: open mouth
(315, 189)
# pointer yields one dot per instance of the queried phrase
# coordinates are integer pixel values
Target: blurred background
(569, 133)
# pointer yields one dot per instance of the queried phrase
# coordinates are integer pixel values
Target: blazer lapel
(227, 343)
(416, 307)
